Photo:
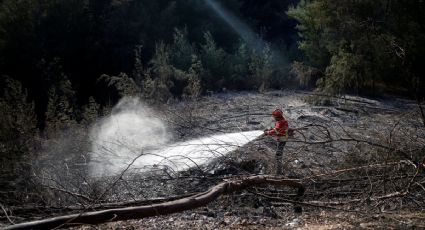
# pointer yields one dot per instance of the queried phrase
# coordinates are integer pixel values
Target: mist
(131, 129)
(134, 138)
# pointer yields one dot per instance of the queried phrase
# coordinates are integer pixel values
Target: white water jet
(132, 135)
(193, 153)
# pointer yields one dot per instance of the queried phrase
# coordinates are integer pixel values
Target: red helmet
(277, 113)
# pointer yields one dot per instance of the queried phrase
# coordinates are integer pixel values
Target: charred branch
(183, 204)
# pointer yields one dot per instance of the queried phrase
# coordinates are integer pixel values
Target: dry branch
(192, 202)
(333, 173)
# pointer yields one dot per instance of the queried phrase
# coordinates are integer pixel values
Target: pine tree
(90, 112)
(361, 44)
(193, 89)
(181, 50)
(260, 68)
(121, 85)
(214, 61)
(159, 77)
(138, 70)
(61, 106)
(18, 121)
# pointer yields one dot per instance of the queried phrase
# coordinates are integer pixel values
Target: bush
(307, 76)
(260, 69)
(214, 59)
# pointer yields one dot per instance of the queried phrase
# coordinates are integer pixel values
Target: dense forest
(64, 63)
(59, 56)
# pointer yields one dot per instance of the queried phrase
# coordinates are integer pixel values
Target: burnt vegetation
(348, 74)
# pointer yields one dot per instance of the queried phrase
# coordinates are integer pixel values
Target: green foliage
(181, 50)
(314, 37)
(240, 60)
(138, 70)
(57, 49)
(61, 110)
(342, 74)
(164, 81)
(193, 89)
(260, 68)
(61, 106)
(90, 112)
(119, 86)
(159, 77)
(18, 123)
(359, 45)
(306, 75)
(240, 68)
(214, 60)
(16, 113)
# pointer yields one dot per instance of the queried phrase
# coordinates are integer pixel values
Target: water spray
(133, 136)
(121, 137)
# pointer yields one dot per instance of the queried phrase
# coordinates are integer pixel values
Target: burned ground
(361, 161)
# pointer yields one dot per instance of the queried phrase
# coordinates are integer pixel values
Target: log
(78, 208)
(192, 202)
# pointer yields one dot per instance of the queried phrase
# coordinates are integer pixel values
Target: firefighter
(280, 133)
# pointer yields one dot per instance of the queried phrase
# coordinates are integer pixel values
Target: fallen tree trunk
(192, 202)
(78, 208)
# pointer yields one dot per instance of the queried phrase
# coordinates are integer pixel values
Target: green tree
(362, 44)
(61, 107)
(159, 76)
(312, 19)
(18, 122)
(193, 89)
(181, 50)
(261, 69)
(240, 68)
(214, 60)
(90, 112)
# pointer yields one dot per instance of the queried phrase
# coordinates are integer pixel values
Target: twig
(119, 177)
(70, 193)
(422, 112)
(5, 213)
(301, 203)
(192, 202)
(357, 168)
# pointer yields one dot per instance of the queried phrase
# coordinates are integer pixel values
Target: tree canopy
(84, 50)
(364, 45)
(45, 41)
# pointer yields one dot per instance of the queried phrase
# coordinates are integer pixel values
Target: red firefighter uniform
(280, 131)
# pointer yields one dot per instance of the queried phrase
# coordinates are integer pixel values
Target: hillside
(357, 158)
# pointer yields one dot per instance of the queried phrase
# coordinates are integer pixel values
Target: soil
(349, 134)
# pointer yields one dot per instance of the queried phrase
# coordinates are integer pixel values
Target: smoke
(127, 133)
(134, 136)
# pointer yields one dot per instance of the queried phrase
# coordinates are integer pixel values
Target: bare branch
(158, 209)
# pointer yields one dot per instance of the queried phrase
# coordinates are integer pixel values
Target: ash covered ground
(361, 161)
